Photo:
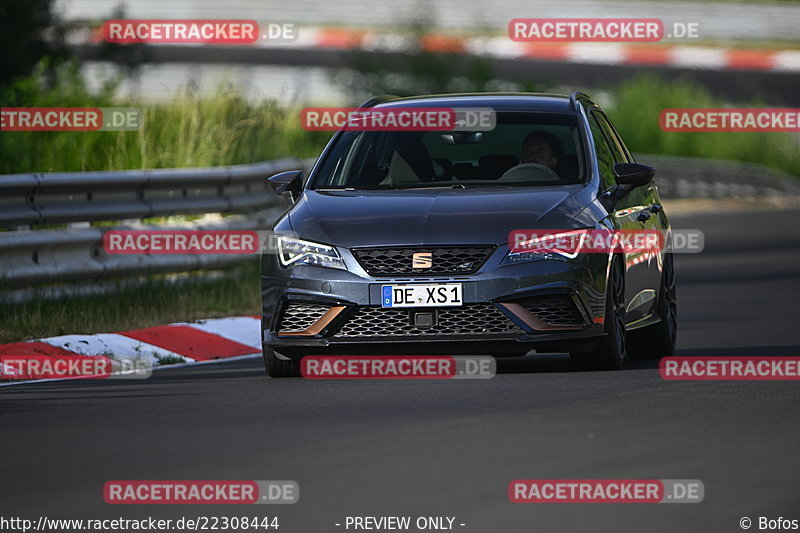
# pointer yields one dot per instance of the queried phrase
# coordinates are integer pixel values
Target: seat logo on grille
(422, 260)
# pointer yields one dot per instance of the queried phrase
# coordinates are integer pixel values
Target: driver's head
(541, 148)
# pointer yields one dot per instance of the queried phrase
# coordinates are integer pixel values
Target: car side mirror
(634, 174)
(287, 184)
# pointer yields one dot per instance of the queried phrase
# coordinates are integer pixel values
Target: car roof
(558, 103)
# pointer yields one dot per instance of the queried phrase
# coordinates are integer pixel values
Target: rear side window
(606, 155)
(621, 153)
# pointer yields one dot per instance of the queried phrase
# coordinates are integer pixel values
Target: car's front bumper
(549, 305)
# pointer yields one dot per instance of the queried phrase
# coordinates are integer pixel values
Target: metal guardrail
(36, 256)
(64, 197)
(691, 177)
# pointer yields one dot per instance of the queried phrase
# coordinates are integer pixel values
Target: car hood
(431, 216)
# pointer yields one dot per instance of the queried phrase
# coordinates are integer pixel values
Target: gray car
(397, 242)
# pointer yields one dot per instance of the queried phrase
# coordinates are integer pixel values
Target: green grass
(156, 302)
(192, 131)
(170, 360)
(189, 131)
(636, 109)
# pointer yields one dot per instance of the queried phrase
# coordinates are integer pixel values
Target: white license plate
(437, 295)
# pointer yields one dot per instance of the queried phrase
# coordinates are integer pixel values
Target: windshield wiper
(477, 186)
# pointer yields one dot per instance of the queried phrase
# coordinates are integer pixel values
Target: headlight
(524, 257)
(294, 252)
(544, 245)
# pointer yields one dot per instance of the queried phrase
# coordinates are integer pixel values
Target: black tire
(611, 351)
(658, 340)
(279, 368)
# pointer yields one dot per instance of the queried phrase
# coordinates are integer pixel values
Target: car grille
(445, 260)
(474, 319)
(557, 310)
(298, 317)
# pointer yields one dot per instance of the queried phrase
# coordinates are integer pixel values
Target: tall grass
(638, 103)
(189, 131)
(225, 129)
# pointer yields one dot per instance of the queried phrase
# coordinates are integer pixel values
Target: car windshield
(524, 149)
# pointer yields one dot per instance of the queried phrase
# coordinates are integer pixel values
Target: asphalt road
(450, 448)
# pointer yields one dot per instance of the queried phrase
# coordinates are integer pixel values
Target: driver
(541, 148)
(540, 157)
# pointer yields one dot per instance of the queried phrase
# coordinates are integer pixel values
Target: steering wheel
(529, 172)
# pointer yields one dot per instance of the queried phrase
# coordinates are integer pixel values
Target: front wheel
(611, 351)
(277, 367)
(658, 340)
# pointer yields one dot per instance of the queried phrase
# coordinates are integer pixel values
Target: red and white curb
(654, 54)
(201, 341)
(678, 55)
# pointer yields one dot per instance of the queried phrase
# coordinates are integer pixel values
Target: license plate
(438, 295)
